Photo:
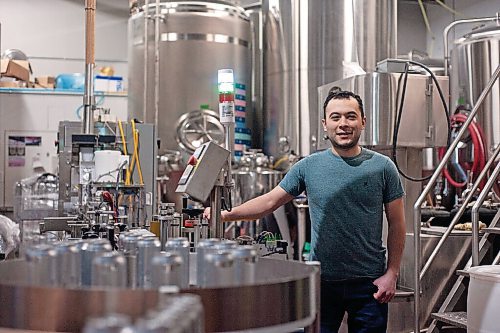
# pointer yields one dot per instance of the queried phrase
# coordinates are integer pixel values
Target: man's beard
(345, 146)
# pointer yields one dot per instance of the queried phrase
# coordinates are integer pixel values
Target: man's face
(343, 123)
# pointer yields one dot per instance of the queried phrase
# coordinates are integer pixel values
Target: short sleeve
(393, 189)
(294, 181)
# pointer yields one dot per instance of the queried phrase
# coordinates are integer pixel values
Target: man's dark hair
(338, 93)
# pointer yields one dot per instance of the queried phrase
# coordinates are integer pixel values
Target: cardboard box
(15, 68)
(108, 83)
(46, 82)
(9, 84)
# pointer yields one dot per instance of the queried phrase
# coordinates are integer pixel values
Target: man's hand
(206, 213)
(386, 287)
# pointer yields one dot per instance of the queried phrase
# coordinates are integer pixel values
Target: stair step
(457, 319)
(463, 272)
(492, 230)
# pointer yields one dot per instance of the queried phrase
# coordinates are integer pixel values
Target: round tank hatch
(198, 127)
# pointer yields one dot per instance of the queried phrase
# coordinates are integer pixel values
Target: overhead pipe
(88, 97)
(145, 12)
(157, 62)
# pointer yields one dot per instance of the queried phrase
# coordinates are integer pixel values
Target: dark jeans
(365, 313)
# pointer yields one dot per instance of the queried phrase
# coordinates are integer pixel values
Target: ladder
(446, 315)
(443, 315)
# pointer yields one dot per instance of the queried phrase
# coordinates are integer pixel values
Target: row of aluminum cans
(182, 313)
(139, 263)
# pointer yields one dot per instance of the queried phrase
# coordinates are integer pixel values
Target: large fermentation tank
(196, 40)
(474, 59)
(308, 44)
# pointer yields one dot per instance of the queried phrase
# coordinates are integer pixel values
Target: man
(347, 188)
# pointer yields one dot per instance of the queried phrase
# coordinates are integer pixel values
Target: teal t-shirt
(346, 198)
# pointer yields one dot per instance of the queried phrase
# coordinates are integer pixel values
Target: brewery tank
(475, 57)
(196, 39)
(308, 44)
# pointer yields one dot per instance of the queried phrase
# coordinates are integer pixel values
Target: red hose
(446, 173)
(477, 137)
(108, 197)
(479, 162)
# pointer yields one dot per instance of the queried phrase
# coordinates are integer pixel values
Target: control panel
(202, 170)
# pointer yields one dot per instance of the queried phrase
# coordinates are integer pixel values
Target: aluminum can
(245, 264)
(147, 248)
(128, 244)
(113, 323)
(91, 249)
(204, 247)
(42, 269)
(109, 270)
(167, 268)
(225, 244)
(219, 270)
(181, 246)
(69, 263)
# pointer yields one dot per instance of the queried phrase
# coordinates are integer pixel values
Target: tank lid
(487, 273)
(489, 32)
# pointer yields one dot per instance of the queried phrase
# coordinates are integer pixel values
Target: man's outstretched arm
(256, 208)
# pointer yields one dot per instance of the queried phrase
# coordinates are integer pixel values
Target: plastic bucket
(483, 299)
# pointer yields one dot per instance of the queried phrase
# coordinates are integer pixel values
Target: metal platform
(457, 319)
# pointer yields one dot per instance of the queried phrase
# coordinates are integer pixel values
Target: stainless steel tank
(196, 39)
(308, 44)
(253, 177)
(474, 59)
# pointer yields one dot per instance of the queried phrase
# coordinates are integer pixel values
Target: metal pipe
(145, 70)
(455, 23)
(88, 97)
(157, 61)
(460, 212)
(475, 214)
(432, 181)
(229, 143)
(301, 206)
(215, 209)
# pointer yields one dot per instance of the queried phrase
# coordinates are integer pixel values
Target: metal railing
(417, 206)
(475, 213)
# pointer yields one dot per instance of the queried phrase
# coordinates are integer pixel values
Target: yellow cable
(124, 144)
(139, 169)
(132, 159)
(427, 25)
(136, 152)
(281, 160)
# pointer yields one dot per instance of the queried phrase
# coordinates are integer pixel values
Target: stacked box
(242, 135)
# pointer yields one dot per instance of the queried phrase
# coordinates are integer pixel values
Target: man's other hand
(386, 285)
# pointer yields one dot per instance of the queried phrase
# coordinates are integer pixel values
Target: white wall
(411, 28)
(52, 34)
